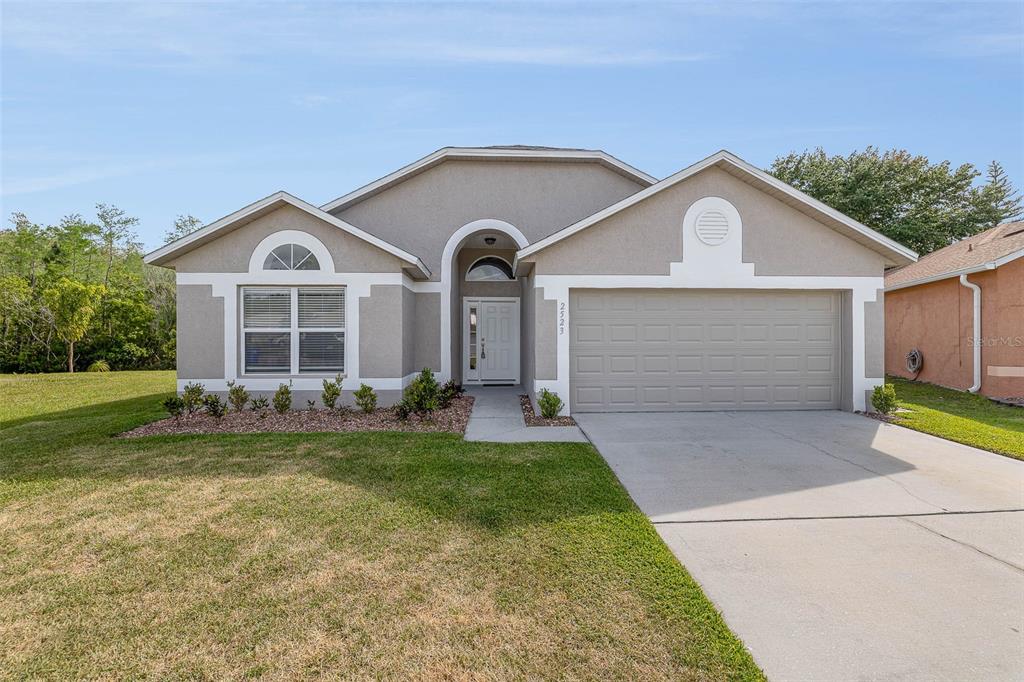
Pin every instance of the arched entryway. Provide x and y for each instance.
(484, 303)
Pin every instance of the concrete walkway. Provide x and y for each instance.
(498, 418)
(837, 547)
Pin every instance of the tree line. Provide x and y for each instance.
(76, 294)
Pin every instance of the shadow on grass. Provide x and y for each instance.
(485, 484)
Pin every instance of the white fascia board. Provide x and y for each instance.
(728, 157)
(477, 153)
(991, 265)
(285, 198)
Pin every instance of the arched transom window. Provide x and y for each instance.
(489, 269)
(291, 257)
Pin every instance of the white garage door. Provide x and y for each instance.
(669, 350)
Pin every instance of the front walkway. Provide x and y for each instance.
(498, 418)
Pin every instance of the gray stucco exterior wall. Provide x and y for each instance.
(231, 252)
(428, 332)
(537, 197)
(874, 337)
(381, 341)
(408, 332)
(527, 312)
(644, 238)
(200, 332)
(546, 337)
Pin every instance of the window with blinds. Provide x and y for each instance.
(293, 330)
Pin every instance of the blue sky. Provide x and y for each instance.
(169, 108)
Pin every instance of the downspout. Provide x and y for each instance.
(976, 332)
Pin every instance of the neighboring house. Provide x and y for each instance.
(932, 306)
(719, 287)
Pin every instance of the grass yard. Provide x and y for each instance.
(340, 555)
(960, 416)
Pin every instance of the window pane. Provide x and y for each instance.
(291, 257)
(322, 307)
(321, 351)
(268, 352)
(267, 307)
(279, 259)
(489, 269)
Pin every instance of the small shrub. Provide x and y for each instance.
(215, 407)
(192, 394)
(884, 398)
(402, 409)
(175, 406)
(311, 404)
(237, 396)
(98, 366)
(365, 398)
(331, 392)
(550, 404)
(422, 393)
(283, 398)
(449, 392)
(260, 405)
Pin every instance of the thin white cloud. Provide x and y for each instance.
(211, 35)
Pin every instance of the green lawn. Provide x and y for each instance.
(961, 416)
(324, 555)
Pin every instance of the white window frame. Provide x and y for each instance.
(293, 330)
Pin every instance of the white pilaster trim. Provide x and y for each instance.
(451, 247)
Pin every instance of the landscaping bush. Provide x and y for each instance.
(449, 392)
(283, 398)
(331, 393)
(260, 405)
(311, 405)
(550, 404)
(98, 366)
(365, 398)
(192, 394)
(884, 398)
(402, 409)
(237, 396)
(215, 407)
(422, 394)
(175, 406)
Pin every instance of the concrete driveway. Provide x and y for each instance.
(837, 547)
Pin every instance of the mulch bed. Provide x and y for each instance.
(453, 419)
(1012, 402)
(534, 419)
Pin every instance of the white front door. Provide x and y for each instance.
(490, 340)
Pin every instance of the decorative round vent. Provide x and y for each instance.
(712, 227)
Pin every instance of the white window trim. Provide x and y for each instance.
(294, 330)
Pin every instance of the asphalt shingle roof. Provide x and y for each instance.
(982, 248)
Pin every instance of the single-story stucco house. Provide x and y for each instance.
(718, 287)
(962, 309)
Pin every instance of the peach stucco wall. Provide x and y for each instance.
(936, 319)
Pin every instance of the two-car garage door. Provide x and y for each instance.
(668, 350)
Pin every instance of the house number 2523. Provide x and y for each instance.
(561, 318)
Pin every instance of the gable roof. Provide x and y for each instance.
(894, 252)
(984, 251)
(261, 208)
(505, 153)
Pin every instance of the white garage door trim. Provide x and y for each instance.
(704, 349)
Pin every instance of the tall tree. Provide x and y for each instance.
(72, 305)
(920, 204)
(184, 225)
